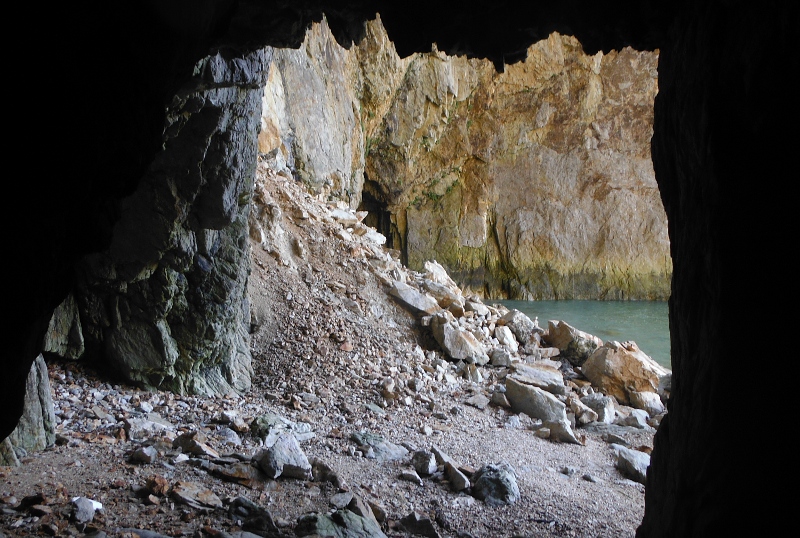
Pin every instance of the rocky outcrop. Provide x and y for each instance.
(531, 183)
(166, 305)
(36, 428)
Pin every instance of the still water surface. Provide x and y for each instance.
(644, 322)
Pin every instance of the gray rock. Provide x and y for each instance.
(442, 457)
(573, 344)
(500, 357)
(341, 500)
(322, 472)
(254, 517)
(521, 325)
(632, 463)
(167, 301)
(284, 458)
(144, 454)
(269, 426)
(419, 303)
(479, 401)
(145, 427)
(496, 484)
(542, 374)
(64, 335)
(458, 343)
(424, 462)
(458, 480)
(602, 405)
(506, 338)
(383, 450)
(358, 506)
(339, 524)
(647, 401)
(36, 428)
(417, 524)
(411, 476)
(194, 443)
(636, 419)
(561, 431)
(533, 401)
(83, 510)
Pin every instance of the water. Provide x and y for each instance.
(644, 322)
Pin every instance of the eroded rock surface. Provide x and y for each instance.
(531, 183)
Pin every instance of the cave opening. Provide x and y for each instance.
(378, 215)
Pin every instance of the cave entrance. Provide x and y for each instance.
(378, 214)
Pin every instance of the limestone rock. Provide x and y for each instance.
(602, 405)
(647, 401)
(284, 458)
(573, 344)
(457, 342)
(533, 401)
(383, 450)
(506, 337)
(520, 324)
(632, 463)
(419, 525)
(424, 462)
(542, 374)
(419, 303)
(620, 369)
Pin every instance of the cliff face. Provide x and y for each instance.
(532, 183)
(166, 305)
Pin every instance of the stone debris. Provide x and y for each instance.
(372, 358)
(341, 524)
(284, 458)
(632, 463)
(496, 484)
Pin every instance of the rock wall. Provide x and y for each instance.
(166, 305)
(533, 183)
(36, 428)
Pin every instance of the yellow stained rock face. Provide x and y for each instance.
(535, 183)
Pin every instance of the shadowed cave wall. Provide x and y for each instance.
(721, 151)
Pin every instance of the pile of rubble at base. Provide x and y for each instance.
(560, 376)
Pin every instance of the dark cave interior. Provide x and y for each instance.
(722, 152)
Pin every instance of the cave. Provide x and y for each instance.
(379, 216)
(722, 149)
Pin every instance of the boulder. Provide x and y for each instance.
(621, 369)
(632, 463)
(647, 401)
(602, 405)
(496, 484)
(419, 303)
(506, 338)
(520, 324)
(36, 428)
(533, 401)
(284, 458)
(542, 374)
(573, 344)
(339, 524)
(457, 342)
(382, 449)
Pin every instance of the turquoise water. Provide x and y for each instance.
(644, 322)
